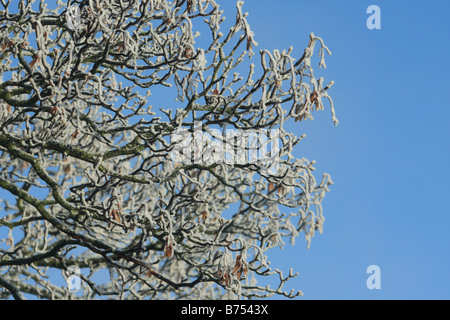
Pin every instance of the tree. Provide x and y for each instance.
(94, 178)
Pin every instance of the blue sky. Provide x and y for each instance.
(389, 155)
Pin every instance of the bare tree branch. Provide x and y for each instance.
(172, 198)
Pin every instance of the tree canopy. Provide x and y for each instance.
(147, 198)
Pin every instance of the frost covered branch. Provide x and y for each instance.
(87, 174)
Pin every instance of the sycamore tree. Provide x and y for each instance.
(126, 134)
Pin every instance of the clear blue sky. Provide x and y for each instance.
(389, 156)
